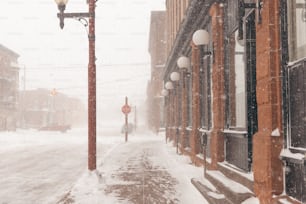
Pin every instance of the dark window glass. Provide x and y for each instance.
(205, 91)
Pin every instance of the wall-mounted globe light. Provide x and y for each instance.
(200, 37)
(183, 62)
(169, 85)
(164, 92)
(175, 76)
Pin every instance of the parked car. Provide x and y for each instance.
(55, 127)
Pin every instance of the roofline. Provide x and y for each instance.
(11, 52)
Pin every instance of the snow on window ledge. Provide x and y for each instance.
(204, 130)
(296, 157)
(235, 131)
(189, 128)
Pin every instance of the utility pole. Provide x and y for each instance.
(135, 119)
(92, 88)
(24, 97)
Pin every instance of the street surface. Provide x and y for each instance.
(35, 175)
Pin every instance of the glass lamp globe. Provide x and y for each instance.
(175, 76)
(169, 85)
(200, 37)
(61, 2)
(164, 92)
(183, 62)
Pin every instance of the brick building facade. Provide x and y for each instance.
(239, 105)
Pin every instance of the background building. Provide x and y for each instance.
(9, 82)
(44, 108)
(157, 50)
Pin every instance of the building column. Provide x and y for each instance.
(194, 139)
(218, 101)
(267, 166)
(168, 116)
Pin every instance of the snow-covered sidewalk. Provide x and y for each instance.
(143, 170)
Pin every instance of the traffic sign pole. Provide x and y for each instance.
(127, 127)
(126, 109)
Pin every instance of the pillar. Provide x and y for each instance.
(218, 101)
(267, 166)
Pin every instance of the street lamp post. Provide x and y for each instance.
(91, 73)
(175, 77)
(168, 87)
(201, 38)
(184, 65)
(165, 93)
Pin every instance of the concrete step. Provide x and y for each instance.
(284, 199)
(212, 196)
(237, 175)
(233, 191)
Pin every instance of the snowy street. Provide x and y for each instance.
(50, 167)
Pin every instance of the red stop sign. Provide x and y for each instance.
(126, 109)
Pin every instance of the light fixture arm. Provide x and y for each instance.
(81, 16)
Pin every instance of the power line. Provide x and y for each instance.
(80, 66)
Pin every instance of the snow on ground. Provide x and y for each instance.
(39, 167)
(251, 201)
(51, 167)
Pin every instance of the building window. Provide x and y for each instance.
(297, 96)
(205, 90)
(232, 15)
(236, 105)
(296, 25)
(296, 29)
(237, 84)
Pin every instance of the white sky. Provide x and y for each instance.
(58, 59)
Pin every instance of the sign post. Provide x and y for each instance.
(126, 109)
